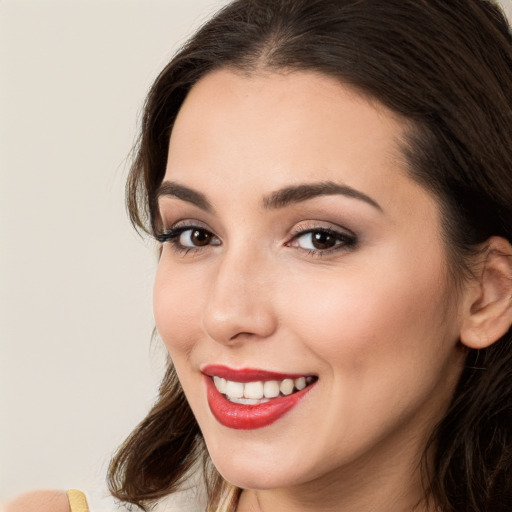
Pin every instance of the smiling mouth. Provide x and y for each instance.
(249, 398)
(261, 391)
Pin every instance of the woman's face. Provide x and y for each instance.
(299, 252)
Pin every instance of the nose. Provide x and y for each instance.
(239, 303)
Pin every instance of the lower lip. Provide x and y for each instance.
(249, 417)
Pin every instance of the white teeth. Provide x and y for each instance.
(220, 384)
(234, 389)
(251, 393)
(286, 386)
(248, 401)
(300, 383)
(254, 390)
(271, 389)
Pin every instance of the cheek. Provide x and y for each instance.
(382, 344)
(176, 303)
(385, 313)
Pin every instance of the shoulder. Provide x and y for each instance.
(39, 501)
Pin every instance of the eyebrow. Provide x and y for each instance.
(170, 188)
(278, 199)
(299, 193)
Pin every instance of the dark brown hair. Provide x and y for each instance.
(446, 67)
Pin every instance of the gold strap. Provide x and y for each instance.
(77, 501)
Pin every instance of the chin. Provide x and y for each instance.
(261, 468)
(251, 476)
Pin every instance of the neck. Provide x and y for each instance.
(376, 500)
(363, 499)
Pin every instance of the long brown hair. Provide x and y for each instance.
(446, 67)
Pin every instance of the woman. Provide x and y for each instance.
(331, 185)
(330, 182)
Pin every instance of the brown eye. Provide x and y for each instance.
(188, 238)
(199, 237)
(195, 237)
(322, 240)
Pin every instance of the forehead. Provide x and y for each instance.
(265, 131)
(230, 104)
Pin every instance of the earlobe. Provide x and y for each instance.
(488, 309)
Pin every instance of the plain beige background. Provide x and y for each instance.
(76, 370)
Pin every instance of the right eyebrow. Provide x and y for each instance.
(173, 189)
(306, 191)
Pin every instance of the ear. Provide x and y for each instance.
(488, 301)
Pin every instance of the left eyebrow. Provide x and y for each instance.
(173, 189)
(299, 193)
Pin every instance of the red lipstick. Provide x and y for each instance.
(248, 417)
(247, 374)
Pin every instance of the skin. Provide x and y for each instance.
(39, 501)
(377, 321)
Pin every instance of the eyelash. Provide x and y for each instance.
(343, 241)
(172, 236)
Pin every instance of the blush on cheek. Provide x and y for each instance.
(174, 314)
(357, 320)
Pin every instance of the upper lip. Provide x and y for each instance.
(248, 374)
